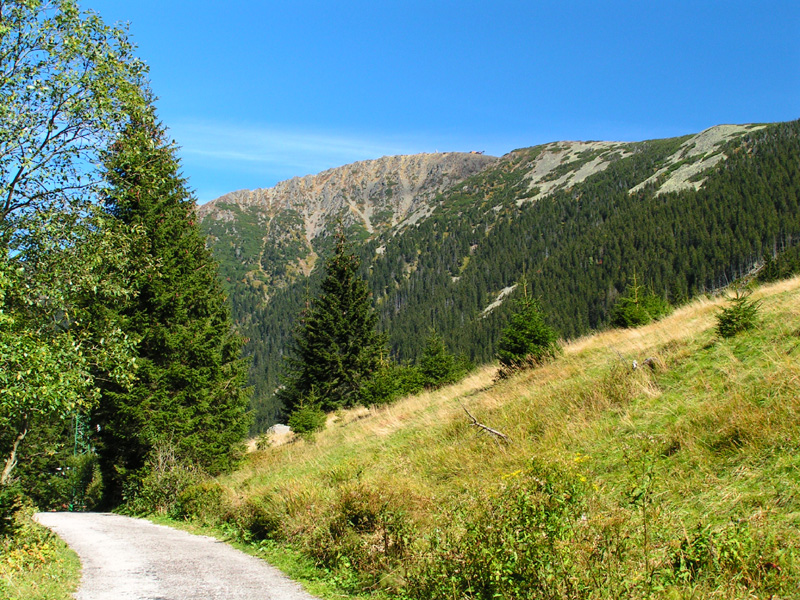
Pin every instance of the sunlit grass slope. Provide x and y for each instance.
(680, 478)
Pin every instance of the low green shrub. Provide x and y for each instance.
(732, 555)
(258, 518)
(709, 552)
(83, 482)
(362, 536)
(161, 483)
(518, 547)
(65, 482)
(203, 502)
(10, 504)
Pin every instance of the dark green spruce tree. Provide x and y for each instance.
(527, 341)
(335, 348)
(190, 392)
(437, 366)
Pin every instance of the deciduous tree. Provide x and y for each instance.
(65, 79)
(55, 337)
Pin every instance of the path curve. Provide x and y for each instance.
(133, 559)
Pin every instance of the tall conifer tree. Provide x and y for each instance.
(190, 390)
(336, 347)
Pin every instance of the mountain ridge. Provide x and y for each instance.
(685, 214)
(345, 182)
(704, 145)
(368, 197)
(372, 197)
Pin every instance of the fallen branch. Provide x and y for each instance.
(494, 432)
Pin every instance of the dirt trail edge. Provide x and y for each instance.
(133, 559)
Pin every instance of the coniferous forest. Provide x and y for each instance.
(578, 247)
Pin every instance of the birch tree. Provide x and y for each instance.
(67, 80)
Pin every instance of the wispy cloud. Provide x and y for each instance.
(221, 157)
(278, 150)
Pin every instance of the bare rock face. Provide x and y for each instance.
(368, 197)
(379, 194)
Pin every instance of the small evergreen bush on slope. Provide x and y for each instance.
(638, 306)
(740, 315)
(527, 341)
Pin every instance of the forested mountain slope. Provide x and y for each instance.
(270, 237)
(684, 214)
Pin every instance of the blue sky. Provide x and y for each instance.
(255, 92)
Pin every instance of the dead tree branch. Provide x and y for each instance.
(479, 425)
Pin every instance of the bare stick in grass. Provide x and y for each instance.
(494, 432)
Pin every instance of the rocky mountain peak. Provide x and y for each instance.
(269, 233)
(377, 194)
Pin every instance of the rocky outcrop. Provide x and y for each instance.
(267, 235)
(377, 194)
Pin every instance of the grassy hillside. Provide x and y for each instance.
(677, 481)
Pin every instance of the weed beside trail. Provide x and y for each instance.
(34, 563)
(679, 478)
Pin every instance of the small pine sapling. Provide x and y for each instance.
(527, 341)
(437, 365)
(740, 315)
(308, 417)
(638, 306)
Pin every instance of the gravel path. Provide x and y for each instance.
(134, 559)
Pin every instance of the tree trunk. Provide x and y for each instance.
(11, 461)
